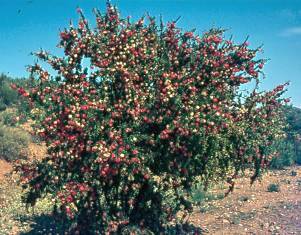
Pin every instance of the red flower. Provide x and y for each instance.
(188, 34)
(13, 86)
(65, 36)
(69, 199)
(21, 90)
(84, 107)
(82, 188)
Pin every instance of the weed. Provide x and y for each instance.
(244, 198)
(274, 188)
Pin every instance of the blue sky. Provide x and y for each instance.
(27, 25)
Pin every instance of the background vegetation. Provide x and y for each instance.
(289, 148)
(13, 111)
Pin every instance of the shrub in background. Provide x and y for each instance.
(8, 96)
(286, 155)
(137, 114)
(289, 149)
(13, 143)
(293, 130)
(9, 117)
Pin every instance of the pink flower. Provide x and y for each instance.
(79, 10)
(84, 107)
(64, 35)
(69, 199)
(188, 34)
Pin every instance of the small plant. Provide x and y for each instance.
(274, 188)
(285, 181)
(240, 216)
(199, 195)
(244, 198)
(207, 208)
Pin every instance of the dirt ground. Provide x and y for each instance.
(5, 168)
(255, 210)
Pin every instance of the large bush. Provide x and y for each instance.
(137, 113)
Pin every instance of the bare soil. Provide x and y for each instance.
(255, 210)
(5, 168)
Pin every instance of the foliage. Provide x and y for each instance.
(9, 99)
(7, 117)
(286, 155)
(293, 117)
(13, 143)
(8, 96)
(289, 149)
(137, 114)
(11, 117)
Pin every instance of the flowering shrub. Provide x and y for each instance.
(136, 114)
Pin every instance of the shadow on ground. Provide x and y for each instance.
(46, 224)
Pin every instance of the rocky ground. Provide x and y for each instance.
(257, 209)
